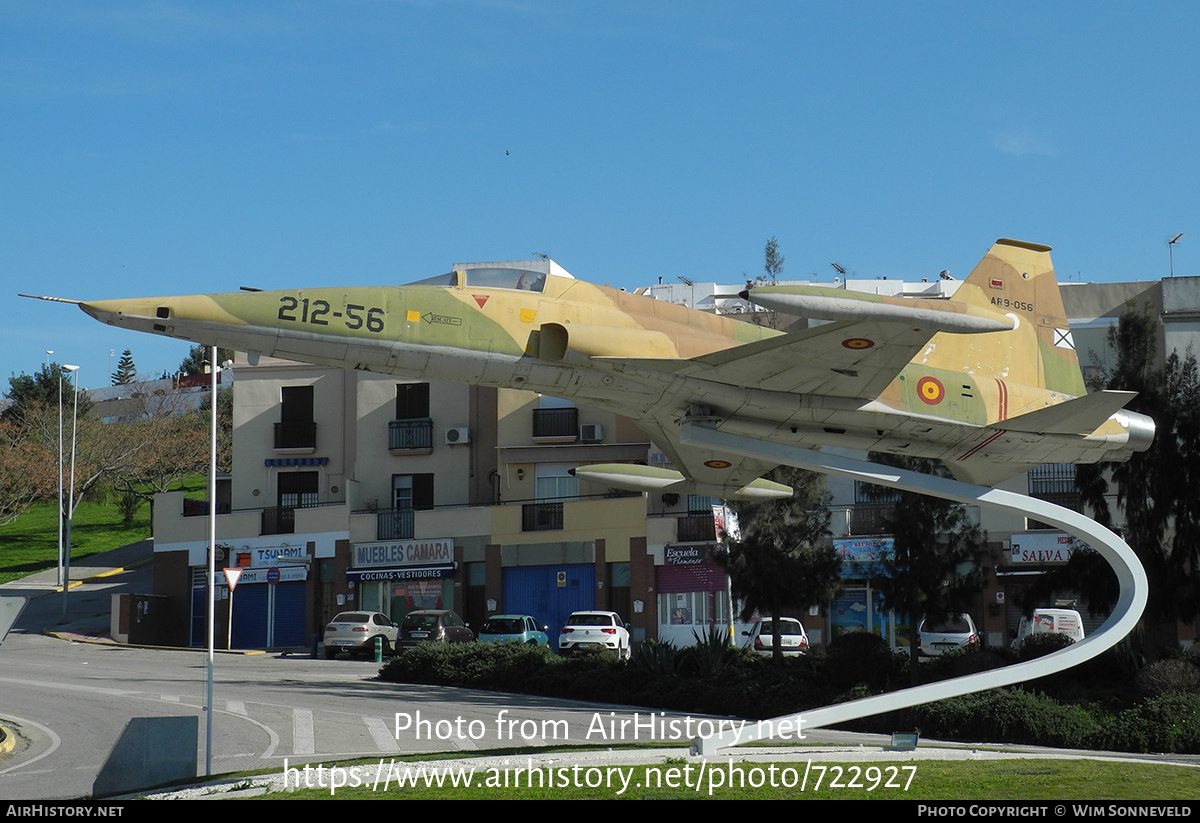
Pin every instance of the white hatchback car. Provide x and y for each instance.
(792, 639)
(596, 630)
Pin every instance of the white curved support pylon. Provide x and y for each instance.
(1130, 575)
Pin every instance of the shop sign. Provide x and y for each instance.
(863, 549)
(1044, 547)
(287, 574)
(277, 556)
(403, 553)
(429, 573)
(688, 555)
(862, 557)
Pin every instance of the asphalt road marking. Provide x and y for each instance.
(381, 733)
(304, 739)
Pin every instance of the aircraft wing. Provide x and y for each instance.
(853, 359)
(845, 359)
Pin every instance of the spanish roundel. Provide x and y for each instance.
(930, 390)
(858, 343)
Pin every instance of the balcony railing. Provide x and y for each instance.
(410, 435)
(394, 524)
(541, 517)
(695, 528)
(296, 436)
(556, 423)
(279, 520)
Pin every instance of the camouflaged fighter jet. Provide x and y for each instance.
(988, 381)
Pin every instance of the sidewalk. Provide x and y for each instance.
(88, 612)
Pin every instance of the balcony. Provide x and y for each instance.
(696, 528)
(557, 425)
(296, 436)
(541, 517)
(870, 518)
(278, 520)
(410, 436)
(394, 524)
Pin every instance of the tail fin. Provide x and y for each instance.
(1017, 279)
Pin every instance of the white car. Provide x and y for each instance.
(603, 630)
(355, 632)
(792, 639)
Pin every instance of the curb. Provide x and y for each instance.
(8, 740)
(97, 641)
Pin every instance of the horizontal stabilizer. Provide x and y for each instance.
(1080, 416)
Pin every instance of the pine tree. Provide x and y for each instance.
(1156, 489)
(126, 371)
(936, 568)
(780, 565)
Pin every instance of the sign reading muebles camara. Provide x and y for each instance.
(403, 553)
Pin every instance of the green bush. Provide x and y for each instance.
(1003, 715)
(1042, 644)
(862, 658)
(1168, 723)
(1167, 676)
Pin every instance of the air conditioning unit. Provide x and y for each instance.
(591, 432)
(458, 435)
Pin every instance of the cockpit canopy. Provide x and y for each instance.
(523, 275)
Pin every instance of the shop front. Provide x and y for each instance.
(692, 593)
(400, 576)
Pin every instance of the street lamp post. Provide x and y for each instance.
(64, 549)
(61, 504)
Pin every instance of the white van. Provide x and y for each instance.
(1045, 621)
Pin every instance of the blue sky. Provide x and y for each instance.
(156, 148)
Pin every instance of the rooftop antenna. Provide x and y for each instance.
(1171, 250)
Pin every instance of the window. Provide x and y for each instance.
(412, 401)
(298, 489)
(412, 492)
(506, 279)
(554, 483)
(412, 430)
(296, 428)
(1052, 478)
(1054, 483)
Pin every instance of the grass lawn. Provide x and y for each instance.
(30, 543)
(991, 780)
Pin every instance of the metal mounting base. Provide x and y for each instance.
(1130, 575)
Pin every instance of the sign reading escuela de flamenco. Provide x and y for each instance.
(403, 553)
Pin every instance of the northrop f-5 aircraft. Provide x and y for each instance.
(988, 381)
